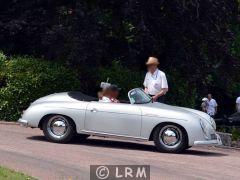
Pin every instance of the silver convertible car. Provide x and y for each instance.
(173, 129)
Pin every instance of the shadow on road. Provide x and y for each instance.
(106, 143)
(202, 153)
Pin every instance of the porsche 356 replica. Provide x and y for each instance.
(173, 129)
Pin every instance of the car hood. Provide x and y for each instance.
(162, 110)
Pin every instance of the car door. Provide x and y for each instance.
(113, 118)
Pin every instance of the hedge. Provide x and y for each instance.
(24, 79)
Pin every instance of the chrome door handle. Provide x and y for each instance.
(93, 110)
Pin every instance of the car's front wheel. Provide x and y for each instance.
(58, 128)
(170, 138)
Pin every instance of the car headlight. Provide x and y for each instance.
(204, 128)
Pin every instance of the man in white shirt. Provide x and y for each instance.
(212, 106)
(155, 82)
(238, 104)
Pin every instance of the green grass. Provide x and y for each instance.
(7, 174)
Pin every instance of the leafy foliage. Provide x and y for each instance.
(121, 76)
(26, 79)
(197, 41)
(182, 88)
(235, 134)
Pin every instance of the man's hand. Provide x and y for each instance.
(161, 93)
(155, 98)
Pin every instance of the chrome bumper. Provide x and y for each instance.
(216, 141)
(23, 122)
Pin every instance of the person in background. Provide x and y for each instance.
(238, 104)
(212, 106)
(204, 104)
(155, 82)
(104, 93)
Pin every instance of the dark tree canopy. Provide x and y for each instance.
(194, 39)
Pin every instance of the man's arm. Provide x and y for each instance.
(145, 84)
(146, 90)
(161, 93)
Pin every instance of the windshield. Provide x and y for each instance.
(138, 96)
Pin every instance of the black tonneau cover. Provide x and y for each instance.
(81, 97)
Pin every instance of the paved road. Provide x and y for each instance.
(26, 150)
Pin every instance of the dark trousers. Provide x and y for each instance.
(213, 116)
(160, 99)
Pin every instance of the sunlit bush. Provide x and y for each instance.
(24, 79)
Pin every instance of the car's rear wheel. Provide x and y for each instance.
(59, 128)
(170, 138)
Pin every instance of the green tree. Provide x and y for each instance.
(195, 38)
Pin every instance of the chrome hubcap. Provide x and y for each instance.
(57, 126)
(170, 136)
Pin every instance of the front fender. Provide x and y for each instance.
(192, 128)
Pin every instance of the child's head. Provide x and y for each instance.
(114, 91)
(106, 92)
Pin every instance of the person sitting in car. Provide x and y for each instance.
(114, 93)
(110, 94)
(105, 95)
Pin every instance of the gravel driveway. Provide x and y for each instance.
(26, 150)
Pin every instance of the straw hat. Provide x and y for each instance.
(152, 61)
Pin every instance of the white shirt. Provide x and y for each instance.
(212, 104)
(238, 104)
(155, 82)
(105, 99)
